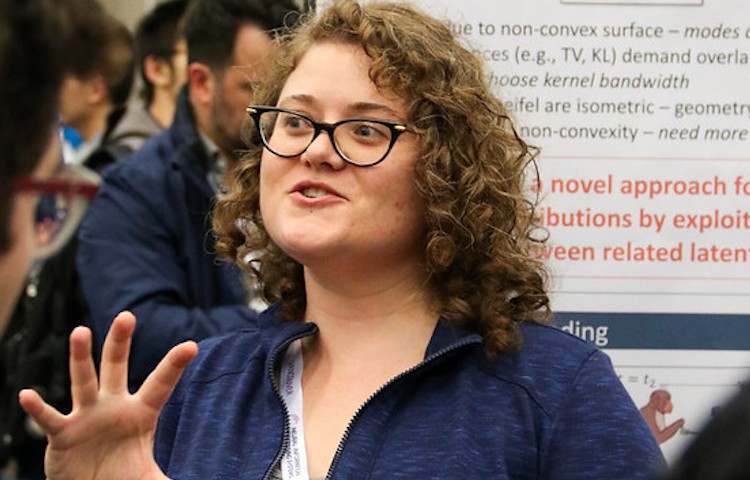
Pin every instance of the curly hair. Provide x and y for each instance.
(481, 238)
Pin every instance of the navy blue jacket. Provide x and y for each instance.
(554, 410)
(145, 246)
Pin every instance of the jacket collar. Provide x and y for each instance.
(444, 337)
(193, 158)
(447, 335)
(183, 126)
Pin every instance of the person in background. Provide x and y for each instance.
(40, 198)
(161, 56)
(145, 244)
(94, 94)
(384, 207)
(720, 451)
(34, 352)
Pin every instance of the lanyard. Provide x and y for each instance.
(294, 462)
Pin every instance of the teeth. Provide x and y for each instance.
(313, 192)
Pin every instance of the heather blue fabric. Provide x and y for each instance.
(554, 410)
(145, 246)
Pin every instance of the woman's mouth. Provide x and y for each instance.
(313, 192)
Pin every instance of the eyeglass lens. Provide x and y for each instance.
(51, 212)
(57, 218)
(58, 213)
(360, 142)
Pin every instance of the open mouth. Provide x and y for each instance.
(313, 192)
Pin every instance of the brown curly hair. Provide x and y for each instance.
(481, 236)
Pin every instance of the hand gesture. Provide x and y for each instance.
(109, 434)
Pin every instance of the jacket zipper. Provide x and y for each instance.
(357, 414)
(272, 375)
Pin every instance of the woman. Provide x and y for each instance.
(386, 192)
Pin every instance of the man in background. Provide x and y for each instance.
(145, 245)
(96, 90)
(161, 57)
(36, 45)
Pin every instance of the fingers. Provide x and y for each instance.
(49, 419)
(83, 382)
(114, 364)
(161, 382)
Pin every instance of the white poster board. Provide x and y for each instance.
(641, 109)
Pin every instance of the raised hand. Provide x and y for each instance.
(109, 433)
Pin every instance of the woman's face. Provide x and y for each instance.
(317, 207)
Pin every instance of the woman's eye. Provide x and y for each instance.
(366, 131)
(370, 131)
(293, 122)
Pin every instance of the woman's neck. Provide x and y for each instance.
(371, 328)
(370, 318)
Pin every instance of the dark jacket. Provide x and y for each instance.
(145, 246)
(554, 410)
(34, 354)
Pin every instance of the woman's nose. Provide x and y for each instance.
(322, 152)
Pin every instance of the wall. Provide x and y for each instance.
(129, 11)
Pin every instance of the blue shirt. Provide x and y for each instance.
(553, 410)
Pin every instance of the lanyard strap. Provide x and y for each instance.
(294, 462)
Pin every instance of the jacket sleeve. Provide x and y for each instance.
(132, 256)
(598, 432)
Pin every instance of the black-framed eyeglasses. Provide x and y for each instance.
(63, 200)
(363, 142)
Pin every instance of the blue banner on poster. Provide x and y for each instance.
(658, 330)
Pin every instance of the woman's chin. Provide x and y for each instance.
(309, 249)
